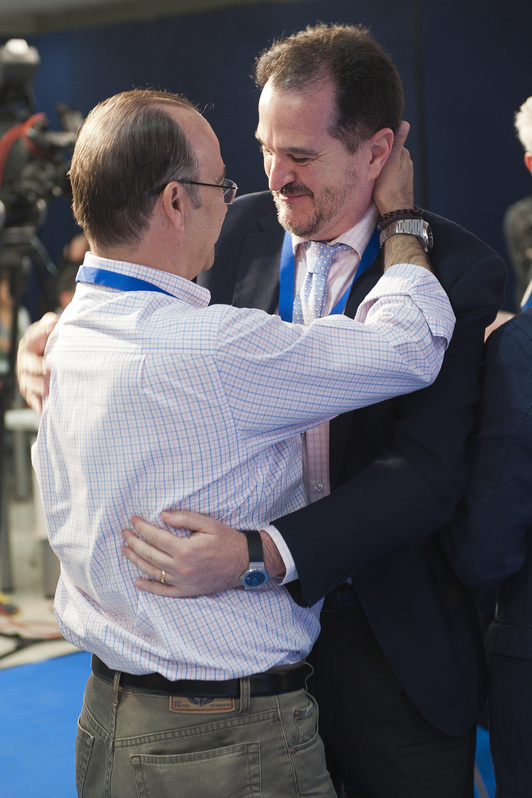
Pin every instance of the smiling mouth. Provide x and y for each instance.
(289, 193)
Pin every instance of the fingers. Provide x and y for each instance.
(399, 155)
(394, 187)
(32, 374)
(156, 536)
(153, 553)
(158, 589)
(194, 522)
(401, 134)
(36, 336)
(33, 389)
(148, 559)
(47, 324)
(152, 549)
(153, 572)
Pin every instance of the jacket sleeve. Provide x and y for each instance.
(403, 468)
(486, 540)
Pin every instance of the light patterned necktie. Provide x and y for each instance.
(309, 304)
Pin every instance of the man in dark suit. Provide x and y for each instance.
(399, 664)
(489, 542)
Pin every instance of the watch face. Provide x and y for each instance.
(253, 579)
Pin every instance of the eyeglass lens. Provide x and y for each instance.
(229, 189)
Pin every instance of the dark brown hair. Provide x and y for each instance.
(369, 93)
(127, 146)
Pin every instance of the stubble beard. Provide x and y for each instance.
(330, 205)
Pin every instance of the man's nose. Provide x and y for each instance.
(280, 172)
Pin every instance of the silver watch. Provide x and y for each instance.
(255, 575)
(412, 227)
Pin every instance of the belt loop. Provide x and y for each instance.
(245, 696)
(112, 731)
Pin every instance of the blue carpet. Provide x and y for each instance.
(39, 709)
(484, 776)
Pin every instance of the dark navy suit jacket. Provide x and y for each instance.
(490, 539)
(397, 471)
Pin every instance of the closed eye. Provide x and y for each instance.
(300, 160)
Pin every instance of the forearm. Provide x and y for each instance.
(393, 195)
(403, 248)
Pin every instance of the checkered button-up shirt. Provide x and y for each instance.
(160, 402)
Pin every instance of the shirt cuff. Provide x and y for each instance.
(284, 551)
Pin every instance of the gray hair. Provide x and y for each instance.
(523, 124)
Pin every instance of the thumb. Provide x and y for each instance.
(401, 134)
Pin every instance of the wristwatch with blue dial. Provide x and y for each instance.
(255, 575)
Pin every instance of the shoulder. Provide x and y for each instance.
(462, 261)
(449, 234)
(248, 215)
(512, 340)
(507, 378)
(250, 240)
(251, 212)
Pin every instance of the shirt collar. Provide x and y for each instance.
(178, 287)
(356, 237)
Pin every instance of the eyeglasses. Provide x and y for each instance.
(228, 187)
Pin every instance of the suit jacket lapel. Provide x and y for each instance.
(339, 427)
(257, 284)
(363, 285)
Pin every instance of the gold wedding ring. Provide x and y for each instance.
(163, 576)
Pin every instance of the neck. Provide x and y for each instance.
(152, 258)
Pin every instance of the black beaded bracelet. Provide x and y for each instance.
(403, 213)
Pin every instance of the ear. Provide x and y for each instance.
(379, 147)
(528, 161)
(173, 204)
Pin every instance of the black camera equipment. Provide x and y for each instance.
(34, 163)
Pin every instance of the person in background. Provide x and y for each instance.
(517, 223)
(400, 664)
(489, 544)
(159, 400)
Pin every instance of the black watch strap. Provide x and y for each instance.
(256, 552)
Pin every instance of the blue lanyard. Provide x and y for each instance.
(287, 275)
(528, 304)
(93, 274)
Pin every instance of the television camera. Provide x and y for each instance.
(34, 163)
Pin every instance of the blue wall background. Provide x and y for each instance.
(466, 69)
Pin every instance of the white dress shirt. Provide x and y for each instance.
(158, 401)
(316, 472)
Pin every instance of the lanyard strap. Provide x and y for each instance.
(528, 304)
(92, 274)
(287, 275)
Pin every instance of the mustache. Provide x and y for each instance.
(293, 188)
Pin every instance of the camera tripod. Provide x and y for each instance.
(20, 252)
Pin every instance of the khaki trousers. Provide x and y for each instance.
(132, 743)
